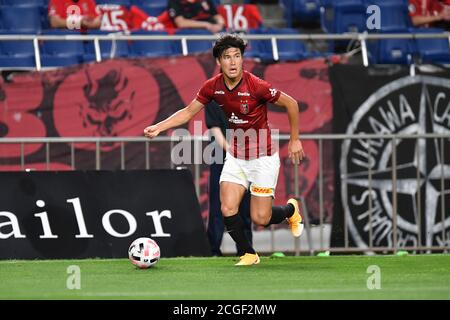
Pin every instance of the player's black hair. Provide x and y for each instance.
(228, 41)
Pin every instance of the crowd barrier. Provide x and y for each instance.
(316, 235)
(273, 38)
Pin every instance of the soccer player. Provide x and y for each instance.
(251, 162)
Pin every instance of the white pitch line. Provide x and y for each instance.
(168, 293)
(211, 294)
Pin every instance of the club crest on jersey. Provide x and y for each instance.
(244, 107)
(273, 92)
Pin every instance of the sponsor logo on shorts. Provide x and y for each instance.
(261, 190)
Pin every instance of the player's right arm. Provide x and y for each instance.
(178, 118)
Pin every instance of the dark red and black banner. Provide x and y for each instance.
(119, 98)
(86, 214)
(390, 101)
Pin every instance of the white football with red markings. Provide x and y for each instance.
(144, 253)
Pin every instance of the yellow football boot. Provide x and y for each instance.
(295, 221)
(248, 259)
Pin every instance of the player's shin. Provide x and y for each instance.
(235, 228)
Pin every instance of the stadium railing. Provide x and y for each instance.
(362, 37)
(309, 246)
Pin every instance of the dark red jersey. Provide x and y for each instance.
(245, 107)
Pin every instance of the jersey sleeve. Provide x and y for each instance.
(92, 9)
(54, 9)
(437, 7)
(265, 92)
(253, 15)
(205, 93)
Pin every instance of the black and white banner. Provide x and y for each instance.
(78, 214)
(391, 102)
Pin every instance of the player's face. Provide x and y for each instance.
(231, 63)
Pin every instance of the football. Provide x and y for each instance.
(144, 253)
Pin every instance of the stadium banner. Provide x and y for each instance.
(86, 214)
(120, 97)
(390, 101)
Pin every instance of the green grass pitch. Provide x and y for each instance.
(305, 277)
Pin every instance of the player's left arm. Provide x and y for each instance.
(296, 152)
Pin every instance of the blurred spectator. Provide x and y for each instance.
(429, 13)
(120, 18)
(198, 14)
(81, 13)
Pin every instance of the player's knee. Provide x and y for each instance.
(261, 219)
(228, 210)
